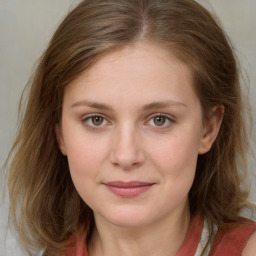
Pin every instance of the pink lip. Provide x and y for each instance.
(128, 189)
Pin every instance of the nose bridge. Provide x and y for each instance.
(127, 149)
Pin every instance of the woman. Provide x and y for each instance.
(131, 137)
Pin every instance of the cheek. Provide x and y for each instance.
(84, 149)
(84, 165)
(176, 161)
(85, 157)
(176, 151)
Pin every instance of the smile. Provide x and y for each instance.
(128, 189)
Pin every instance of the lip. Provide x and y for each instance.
(128, 189)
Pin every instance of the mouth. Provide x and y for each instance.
(128, 189)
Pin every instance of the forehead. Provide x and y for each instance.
(131, 57)
(143, 71)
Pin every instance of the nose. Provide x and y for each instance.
(126, 150)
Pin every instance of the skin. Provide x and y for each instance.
(250, 247)
(136, 140)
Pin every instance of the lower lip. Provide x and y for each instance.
(129, 191)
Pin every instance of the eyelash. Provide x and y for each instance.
(168, 119)
(88, 119)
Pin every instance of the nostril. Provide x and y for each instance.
(126, 152)
(127, 162)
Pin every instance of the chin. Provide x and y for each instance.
(127, 218)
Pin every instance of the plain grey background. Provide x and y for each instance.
(25, 29)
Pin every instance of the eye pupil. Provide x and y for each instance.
(97, 120)
(159, 120)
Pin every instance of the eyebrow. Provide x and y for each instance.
(91, 104)
(153, 105)
(162, 104)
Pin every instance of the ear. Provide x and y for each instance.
(211, 129)
(60, 139)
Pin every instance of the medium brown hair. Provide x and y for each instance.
(44, 204)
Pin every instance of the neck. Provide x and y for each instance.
(165, 235)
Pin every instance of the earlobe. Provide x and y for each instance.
(211, 129)
(60, 139)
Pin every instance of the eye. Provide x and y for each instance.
(95, 121)
(160, 120)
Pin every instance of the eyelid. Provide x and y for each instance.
(167, 116)
(85, 118)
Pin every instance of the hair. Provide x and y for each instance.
(44, 204)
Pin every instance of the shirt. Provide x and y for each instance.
(229, 240)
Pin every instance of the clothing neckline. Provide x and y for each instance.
(188, 247)
(193, 237)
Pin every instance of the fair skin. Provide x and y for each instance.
(132, 129)
(250, 247)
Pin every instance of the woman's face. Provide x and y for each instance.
(132, 131)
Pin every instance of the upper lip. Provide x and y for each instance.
(129, 184)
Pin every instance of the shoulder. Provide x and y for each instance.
(250, 248)
(235, 239)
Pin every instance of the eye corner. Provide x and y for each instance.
(95, 121)
(164, 120)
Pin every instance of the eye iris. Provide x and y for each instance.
(97, 120)
(159, 120)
